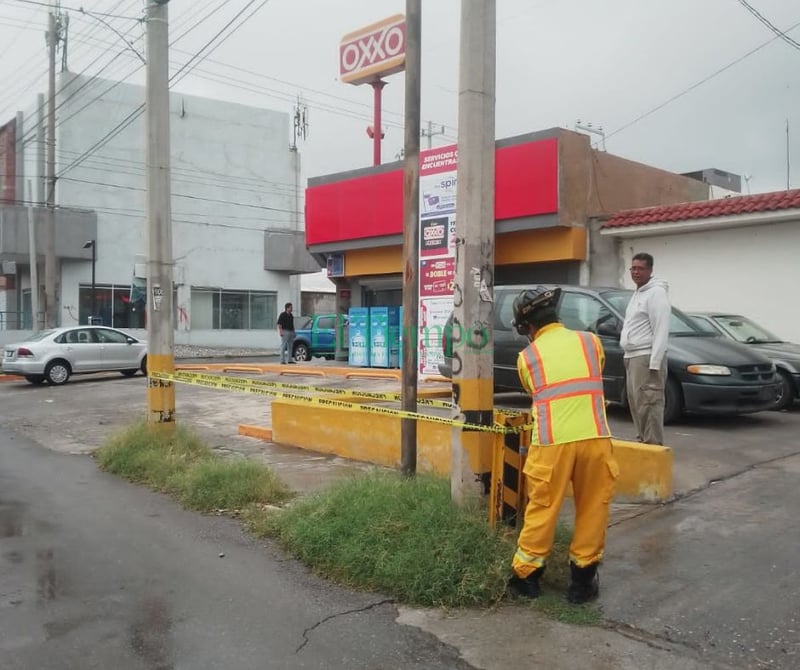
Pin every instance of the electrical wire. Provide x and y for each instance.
(22, 28)
(781, 34)
(29, 82)
(71, 9)
(174, 79)
(696, 85)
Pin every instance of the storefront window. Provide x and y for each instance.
(113, 306)
(215, 309)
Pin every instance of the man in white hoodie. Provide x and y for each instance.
(644, 341)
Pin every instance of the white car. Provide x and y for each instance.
(55, 355)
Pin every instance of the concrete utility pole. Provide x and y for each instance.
(473, 337)
(34, 263)
(430, 133)
(41, 151)
(408, 428)
(50, 265)
(160, 329)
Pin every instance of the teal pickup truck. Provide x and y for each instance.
(316, 337)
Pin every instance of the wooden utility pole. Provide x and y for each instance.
(160, 329)
(50, 264)
(473, 313)
(408, 428)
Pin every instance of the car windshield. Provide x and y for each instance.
(680, 325)
(745, 330)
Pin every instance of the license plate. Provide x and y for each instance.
(9, 354)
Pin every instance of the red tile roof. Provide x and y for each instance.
(704, 209)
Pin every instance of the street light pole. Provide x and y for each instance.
(93, 245)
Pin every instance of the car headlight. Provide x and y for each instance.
(719, 370)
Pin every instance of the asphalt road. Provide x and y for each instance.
(96, 573)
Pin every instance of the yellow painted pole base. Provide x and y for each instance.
(160, 393)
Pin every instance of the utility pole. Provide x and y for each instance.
(50, 265)
(473, 313)
(788, 162)
(408, 427)
(430, 133)
(41, 151)
(34, 263)
(160, 330)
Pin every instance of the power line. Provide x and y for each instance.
(174, 79)
(72, 9)
(25, 26)
(31, 82)
(186, 196)
(696, 85)
(782, 35)
(105, 161)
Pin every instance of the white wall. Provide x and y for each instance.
(753, 271)
(233, 176)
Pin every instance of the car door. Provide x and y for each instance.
(118, 354)
(82, 350)
(323, 340)
(584, 311)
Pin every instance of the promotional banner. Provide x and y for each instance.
(437, 265)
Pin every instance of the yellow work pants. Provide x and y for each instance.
(592, 469)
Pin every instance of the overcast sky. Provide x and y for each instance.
(558, 61)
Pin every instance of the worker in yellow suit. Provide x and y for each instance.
(570, 442)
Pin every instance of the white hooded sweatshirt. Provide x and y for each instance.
(646, 328)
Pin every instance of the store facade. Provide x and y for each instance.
(548, 186)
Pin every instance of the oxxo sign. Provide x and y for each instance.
(375, 51)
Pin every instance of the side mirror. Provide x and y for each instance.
(130, 340)
(610, 327)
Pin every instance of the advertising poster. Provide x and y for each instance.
(437, 188)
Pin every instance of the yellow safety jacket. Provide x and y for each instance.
(563, 371)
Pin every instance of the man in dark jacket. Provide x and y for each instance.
(286, 331)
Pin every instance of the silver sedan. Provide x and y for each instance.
(55, 355)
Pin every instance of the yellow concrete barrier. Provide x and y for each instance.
(645, 470)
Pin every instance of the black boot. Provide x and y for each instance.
(528, 587)
(585, 585)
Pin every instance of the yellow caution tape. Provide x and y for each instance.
(268, 388)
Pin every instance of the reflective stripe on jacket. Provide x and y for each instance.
(563, 371)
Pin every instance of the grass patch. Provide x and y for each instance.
(378, 532)
(405, 538)
(180, 463)
(399, 536)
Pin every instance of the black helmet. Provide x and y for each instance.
(530, 301)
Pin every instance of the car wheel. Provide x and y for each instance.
(785, 396)
(129, 373)
(144, 366)
(57, 372)
(35, 379)
(301, 353)
(673, 401)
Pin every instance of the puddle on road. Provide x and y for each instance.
(151, 634)
(10, 519)
(45, 575)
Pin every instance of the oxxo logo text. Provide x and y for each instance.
(382, 43)
(434, 233)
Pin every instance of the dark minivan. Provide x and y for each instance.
(707, 374)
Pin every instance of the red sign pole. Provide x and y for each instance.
(377, 130)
